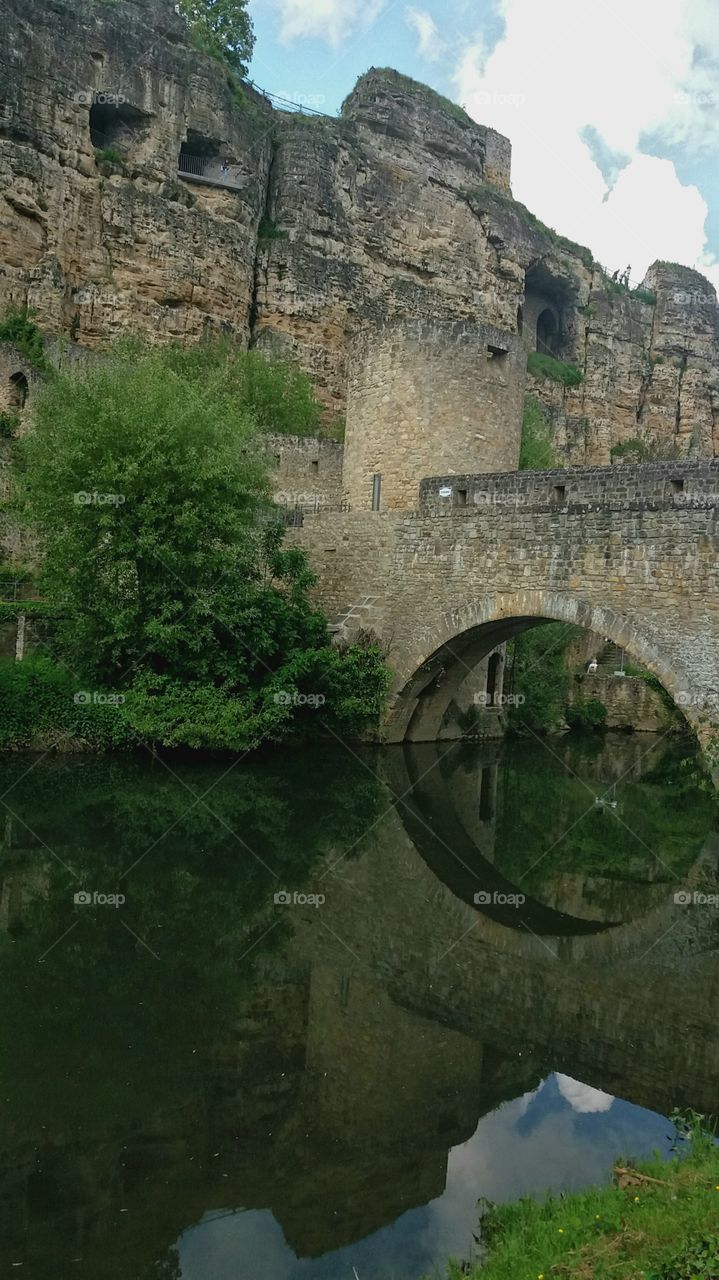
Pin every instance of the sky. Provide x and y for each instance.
(611, 106)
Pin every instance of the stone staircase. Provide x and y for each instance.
(366, 615)
(610, 659)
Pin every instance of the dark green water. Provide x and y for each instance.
(481, 985)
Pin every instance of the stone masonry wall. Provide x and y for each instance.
(308, 471)
(420, 392)
(643, 573)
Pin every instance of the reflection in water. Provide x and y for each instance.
(226, 1085)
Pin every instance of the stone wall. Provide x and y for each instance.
(424, 391)
(630, 702)
(308, 471)
(641, 571)
(675, 485)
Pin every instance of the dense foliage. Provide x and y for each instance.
(539, 678)
(537, 448)
(147, 478)
(222, 28)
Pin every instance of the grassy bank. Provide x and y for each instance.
(657, 1221)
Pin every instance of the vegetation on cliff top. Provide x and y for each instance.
(164, 558)
(222, 28)
(658, 1221)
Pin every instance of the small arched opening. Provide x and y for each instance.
(18, 390)
(547, 332)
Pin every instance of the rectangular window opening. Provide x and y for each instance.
(560, 492)
(496, 353)
(461, 497)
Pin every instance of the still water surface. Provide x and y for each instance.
(481, 986)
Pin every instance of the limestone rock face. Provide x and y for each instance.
(97, 247)
(398, 210)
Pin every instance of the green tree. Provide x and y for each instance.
(222, 28)
(147, 479)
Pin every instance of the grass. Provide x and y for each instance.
(658, 1221)
(453, 108)
(108, 155)
(485, 195)
(543, 366)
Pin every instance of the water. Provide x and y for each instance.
(201, 1082)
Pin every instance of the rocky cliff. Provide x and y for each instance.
(140, 188)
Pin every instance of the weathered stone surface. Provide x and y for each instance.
(398, 210)
(630, 553)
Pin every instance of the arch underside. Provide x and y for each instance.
(452, 647)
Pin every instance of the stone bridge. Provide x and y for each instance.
(629, 552)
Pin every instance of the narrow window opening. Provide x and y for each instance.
(560, 492)
(677, 483)
(315, 464)
(461, 497)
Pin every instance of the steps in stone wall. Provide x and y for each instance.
(365, 615)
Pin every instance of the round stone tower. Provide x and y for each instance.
(429, 398)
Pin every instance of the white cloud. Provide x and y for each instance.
(427, 32)
(330, 20)
(582, 1097)
(628, 68)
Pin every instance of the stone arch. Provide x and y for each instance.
(19, 390)
(547, 332)
(452, 644)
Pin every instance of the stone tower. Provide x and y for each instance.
(430, 398)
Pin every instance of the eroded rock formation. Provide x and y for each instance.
(292, 232)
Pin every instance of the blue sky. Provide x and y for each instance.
(612, 106)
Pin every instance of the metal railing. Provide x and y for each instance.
(212, 170)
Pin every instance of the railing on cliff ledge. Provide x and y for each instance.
(210, 170)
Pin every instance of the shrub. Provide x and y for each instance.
(20, 329)
(108, 155)
(586, 713)
(268, 230)
(537, 448)
(9, 423)
(544, 366)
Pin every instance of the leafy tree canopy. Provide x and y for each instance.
(222, 28)
(148, 482)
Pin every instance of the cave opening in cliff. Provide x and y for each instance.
(116, 124)
(18, 390)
